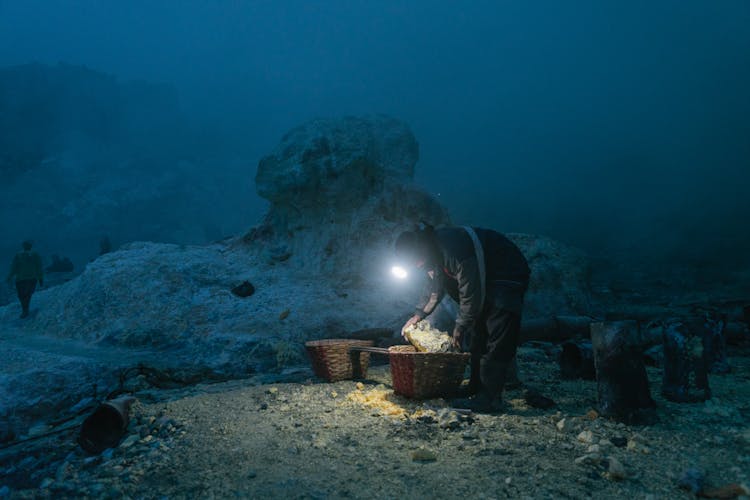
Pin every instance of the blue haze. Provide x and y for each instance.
(619, 127)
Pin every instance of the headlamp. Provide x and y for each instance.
(399, 272)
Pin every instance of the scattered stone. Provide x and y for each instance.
(334, 394)
(589, 459)
(565, 425)
(594, 448)
(252, 474)
(264, 406)
(423, 455)
(360, 386)
(130, 441)
(46, 483)
(449, 419)
(586, 437)
(638, 439)
(692, 480)
(615, 470)
(272, 390)
(147, 439)
(535, 399)
(619, 441)
(244, 289)
(638, 444)
(591, 415)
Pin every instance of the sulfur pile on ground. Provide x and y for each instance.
(355, 439)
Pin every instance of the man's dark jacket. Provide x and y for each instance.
(455, 271)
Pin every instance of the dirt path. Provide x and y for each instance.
(344, 440)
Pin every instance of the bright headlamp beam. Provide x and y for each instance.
(399, 272)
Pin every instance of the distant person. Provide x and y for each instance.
(26, 269)
(487, 275)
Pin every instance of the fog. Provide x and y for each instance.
(619, 127)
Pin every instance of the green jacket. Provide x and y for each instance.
(26, 266)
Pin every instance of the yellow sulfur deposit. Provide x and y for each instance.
(378, 398)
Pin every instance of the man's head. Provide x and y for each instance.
(27, 245)
(414, 248)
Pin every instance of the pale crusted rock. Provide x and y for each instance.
(589, 459)
(565, 425)
(428, 339)
(586, 437)
(337, 162)
(615, 470)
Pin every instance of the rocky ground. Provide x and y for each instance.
(309, 439)
(210, 341)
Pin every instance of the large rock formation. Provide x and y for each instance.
(340, 190)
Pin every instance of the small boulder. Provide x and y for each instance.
(615, 470)
(586, 437)
(244, 289)
(423, 455)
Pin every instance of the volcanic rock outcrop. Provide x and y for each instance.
(340, 191)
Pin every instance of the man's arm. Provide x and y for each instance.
(433, 293)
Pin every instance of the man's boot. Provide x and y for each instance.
(483, 402)
(489, 397)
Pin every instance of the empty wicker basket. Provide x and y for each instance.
(423, 375)
(332, 360)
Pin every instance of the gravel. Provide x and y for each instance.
(350, 439)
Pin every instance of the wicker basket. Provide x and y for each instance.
(332, 360)
(423, 375)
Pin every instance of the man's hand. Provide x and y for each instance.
(457, 336)
(412, 321)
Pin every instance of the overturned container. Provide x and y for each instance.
(577, 360)
(686, 361)
(105, 427)
(622, 384)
